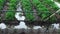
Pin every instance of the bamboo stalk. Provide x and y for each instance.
(52, 15)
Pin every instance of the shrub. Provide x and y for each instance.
(10, 15)
(1, 4)
(27, 9)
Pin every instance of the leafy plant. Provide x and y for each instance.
(28, 9)
(53, 19)
(30, 16)
(26, 5)
(42, 10)
(1, 4)
(57, 1)
(12, 4)
(51, 4)
(10, 15)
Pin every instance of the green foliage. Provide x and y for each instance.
(11, 8)
(52, 19)
(42, 10)
(28, 9)
(41, 7)
(13, 1)
(57, 1)
(30, 16)
(26, 5)
(50, 4)
(1, 4)
(45, 15)
(12, 4)
(10, 15)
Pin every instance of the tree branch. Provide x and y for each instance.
(52, 15)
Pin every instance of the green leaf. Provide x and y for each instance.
(10, 15)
